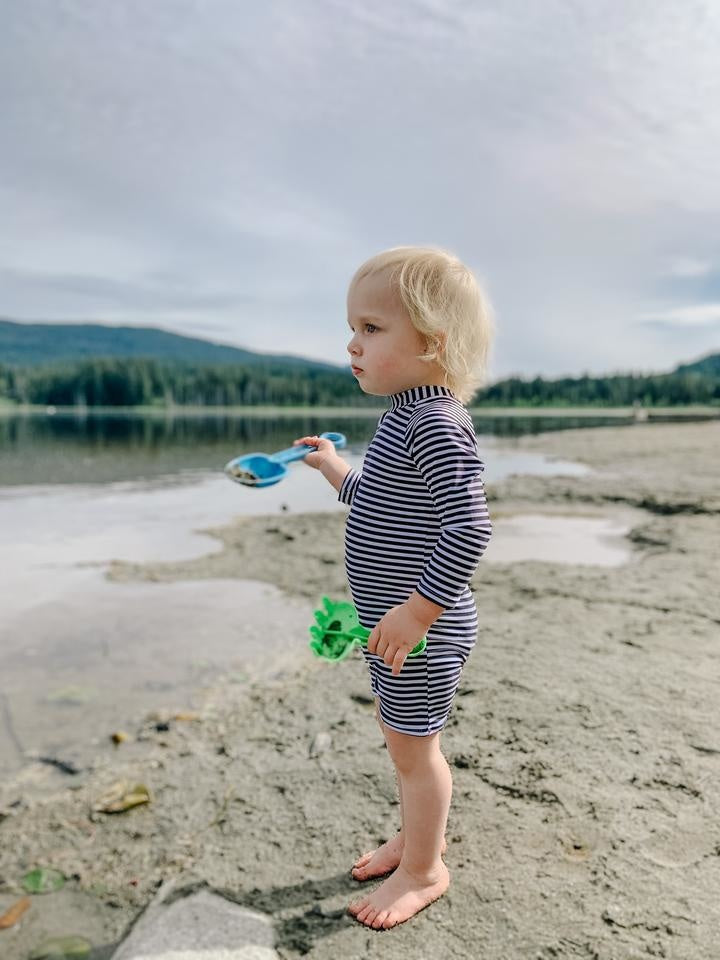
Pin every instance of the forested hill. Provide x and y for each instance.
(92, 365)
(35, 344)
(709, 366)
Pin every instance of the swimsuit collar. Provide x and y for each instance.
(419, 393)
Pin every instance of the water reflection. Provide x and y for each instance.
(101, 447)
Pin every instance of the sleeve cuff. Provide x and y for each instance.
(349, 485)
(440, 601)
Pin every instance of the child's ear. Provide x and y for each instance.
(435, 343)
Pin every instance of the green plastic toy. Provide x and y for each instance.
(338, 629)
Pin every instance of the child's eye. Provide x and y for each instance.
(366, 325)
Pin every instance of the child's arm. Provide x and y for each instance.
(444, 449)
(336, 471)
(423, 609)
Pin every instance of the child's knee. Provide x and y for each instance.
(409, 752)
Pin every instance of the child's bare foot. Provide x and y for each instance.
(400, 897)
(378, 862)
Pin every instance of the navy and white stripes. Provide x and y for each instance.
(418, 520)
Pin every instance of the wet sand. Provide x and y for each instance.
(584, 745)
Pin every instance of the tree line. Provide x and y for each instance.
(116, 382)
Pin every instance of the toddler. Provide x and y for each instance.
(418, 524)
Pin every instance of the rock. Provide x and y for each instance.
(203, 924)
(321, 743)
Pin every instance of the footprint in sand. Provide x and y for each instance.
(678, 848)
(574, 841)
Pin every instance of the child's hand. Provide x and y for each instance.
(395, 635)
(325, 449)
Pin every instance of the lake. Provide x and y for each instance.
(90, 447)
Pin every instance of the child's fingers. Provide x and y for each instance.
(311, 458)
(398, 662)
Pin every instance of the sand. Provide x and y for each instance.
(584, 746)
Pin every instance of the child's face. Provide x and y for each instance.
(384, 342)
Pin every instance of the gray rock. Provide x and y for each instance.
(202, 926)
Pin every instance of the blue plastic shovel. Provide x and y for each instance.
(262, 470)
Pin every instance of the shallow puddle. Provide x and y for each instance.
(90, 661)
(560, 538)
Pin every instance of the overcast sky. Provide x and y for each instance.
(220, 168)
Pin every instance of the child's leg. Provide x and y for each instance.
(427, 789)
(386, 857)
(421, 876)
(398, 779)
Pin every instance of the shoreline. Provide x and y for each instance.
(694, 410)
(583, 744)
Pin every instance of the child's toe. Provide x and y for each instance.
(363, 914)
(356, 907)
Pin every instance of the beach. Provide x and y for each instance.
(584, 745)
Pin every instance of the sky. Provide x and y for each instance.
(221, 168)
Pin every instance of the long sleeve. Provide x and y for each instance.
(444, 448)
(349, 485)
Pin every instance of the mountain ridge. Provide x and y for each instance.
(35, 344)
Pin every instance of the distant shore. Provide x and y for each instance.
(691, 410)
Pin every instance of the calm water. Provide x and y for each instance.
(75, 494)
(99, 448)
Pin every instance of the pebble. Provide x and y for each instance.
(321, 742)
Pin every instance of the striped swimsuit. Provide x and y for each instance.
(418, 520)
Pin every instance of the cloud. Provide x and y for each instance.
(689, 267)
(697, 315)
(97, 291)
(230, 165)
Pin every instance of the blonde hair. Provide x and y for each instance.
(446, 305)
